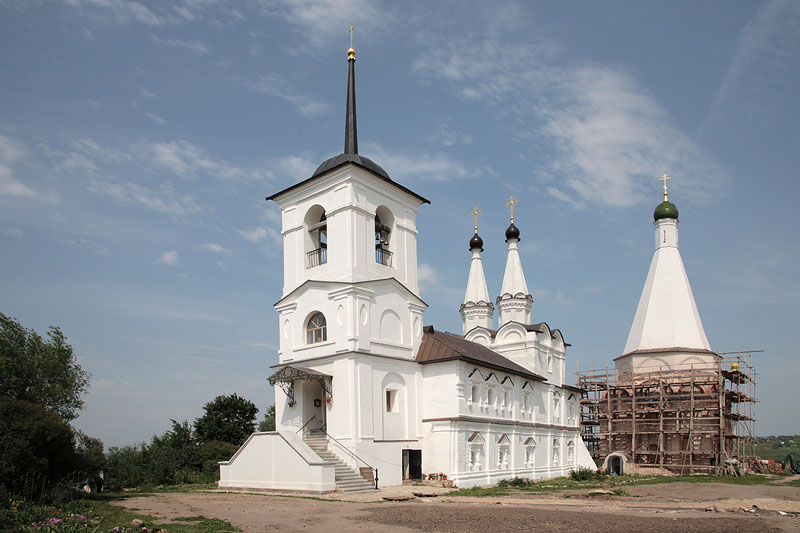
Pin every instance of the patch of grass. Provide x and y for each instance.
(612, 483)
(109, 516)
(480, 491)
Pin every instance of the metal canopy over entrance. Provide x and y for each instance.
(286, 376)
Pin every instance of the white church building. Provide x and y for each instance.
(368, 396)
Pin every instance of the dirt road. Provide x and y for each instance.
(671, 507)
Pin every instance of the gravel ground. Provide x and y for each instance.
(672, 507)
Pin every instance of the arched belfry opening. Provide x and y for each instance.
(316, 238)
(383, 230)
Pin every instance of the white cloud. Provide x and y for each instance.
(119, 10)
(13, 232)
(323, 21)
(187, 160)
(261, 344)
(216, 248)
(194, 46)
(447, 137)
(184, 12)
(297, 167)
(606, 139)
(770, 45)
(155, 118)
(418, 166)
(10, 153)
(278, 87)
(147, 94)
(558, 194)
(427, 275)
(261, 233)
(169, 257)
(163, 200)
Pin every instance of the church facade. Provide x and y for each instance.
(365, 394)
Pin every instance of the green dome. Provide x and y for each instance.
(665, 209)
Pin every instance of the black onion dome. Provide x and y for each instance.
(476, 242)
(512, 232)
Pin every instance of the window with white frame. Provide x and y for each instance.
(526, 402)
(475, 394)
(391, 400)
(530, 451)
(571, 453)
(506, 399)
(503, 444)
(549, 362)
(475, 452)
(490, 397)
(316, 329)
(556, 407)
(556, 452)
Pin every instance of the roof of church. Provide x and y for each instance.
(535, 327)
(439, 346)
(350, 154)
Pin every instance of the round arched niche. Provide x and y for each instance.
(616, 463)
(391, 328)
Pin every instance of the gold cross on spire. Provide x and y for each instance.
(474, 214)
(510, 205)
(664, 178)
(351, 53)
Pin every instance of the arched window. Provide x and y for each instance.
(383, 230)
(316, 240)
(317, 329)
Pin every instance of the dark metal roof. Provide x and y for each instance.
(438, 347)
(350, 154)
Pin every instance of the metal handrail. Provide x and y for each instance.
(352, 454)
(317, 257)
(383, 256)
(307, 423)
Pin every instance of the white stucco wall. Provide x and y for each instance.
(277, 460)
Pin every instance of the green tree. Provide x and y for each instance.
(228, 418)
(34, 439)
(40, 372)
(268, 424)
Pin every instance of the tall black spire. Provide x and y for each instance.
(350, 129)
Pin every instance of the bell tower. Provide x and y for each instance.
(349, 253)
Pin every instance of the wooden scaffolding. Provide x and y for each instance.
(698, 419)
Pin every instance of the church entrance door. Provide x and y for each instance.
(314, 401)
(412, 464)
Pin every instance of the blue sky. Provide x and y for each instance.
(138, 141)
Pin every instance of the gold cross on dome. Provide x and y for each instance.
(474, 214)
(664, 178)
(510, 205)
(351, 36)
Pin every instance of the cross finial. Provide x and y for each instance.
(664, 178)
(351, 53)
(474, 214)
(510, 205)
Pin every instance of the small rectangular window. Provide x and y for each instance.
(391, 401)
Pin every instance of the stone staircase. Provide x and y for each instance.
(347, 479)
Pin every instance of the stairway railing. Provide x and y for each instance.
(351, 454)
(307, 423)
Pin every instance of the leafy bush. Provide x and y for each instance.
(517, 482)
(583, 474)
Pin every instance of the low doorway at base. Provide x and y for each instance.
(412, 464)
(615, 465)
